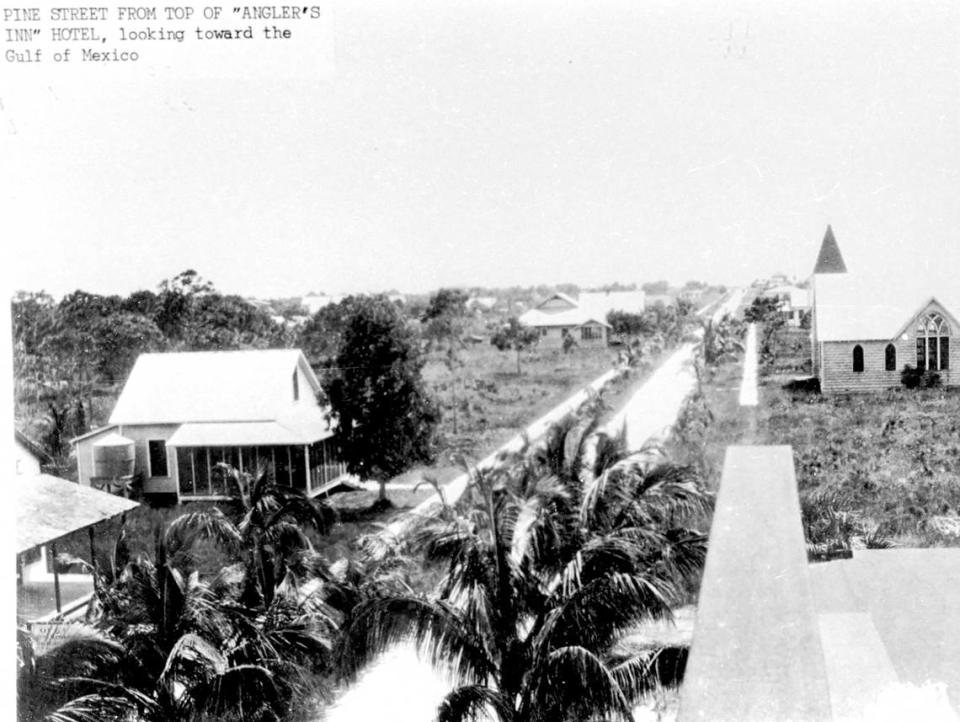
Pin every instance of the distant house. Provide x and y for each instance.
(584, 319)
(180, 414)
(795, 302)
(313, 302)
(481, 303)
(864, 331)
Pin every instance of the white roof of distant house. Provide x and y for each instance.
(850, 307)
(177, 388)
(602, 302)
(590, 306)
(570, 317)
(313, 302)
(799, 297)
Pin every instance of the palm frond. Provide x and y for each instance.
(436, 628)
(576, 680)
(597, 612)
(110, 702)
(73, 649)
(243, 692)
(474, 703)
(210, 525)
(643, 673)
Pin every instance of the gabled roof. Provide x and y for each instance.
(572, 317)
(829, 260)
(851, 308)
(176, 388)
(558, 295)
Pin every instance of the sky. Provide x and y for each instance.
(498, 143)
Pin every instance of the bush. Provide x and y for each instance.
(803, 386)
(915, 378)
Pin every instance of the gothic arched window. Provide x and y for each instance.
(858, 358)
(890, 357)
(933, 343)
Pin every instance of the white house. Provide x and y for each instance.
(181, 414)
(584, 319)
(795, 301)
(28, 456)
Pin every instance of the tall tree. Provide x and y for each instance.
(514, 335)
(444, 320)
(320, 337)
(387, 421)
(175, 302)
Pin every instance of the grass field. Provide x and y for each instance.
(484, 401)
(887, 460)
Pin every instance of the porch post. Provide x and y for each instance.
(56, 575)
(290, 467)
(306, 462)
(93, 554)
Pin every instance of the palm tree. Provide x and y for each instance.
(549, 563)
(190, 648)
(270, 528)
(722, 340)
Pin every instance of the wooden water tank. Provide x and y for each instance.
(113, 457)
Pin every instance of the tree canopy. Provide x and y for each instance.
(376, 391)
(514, 335)
(549, 561)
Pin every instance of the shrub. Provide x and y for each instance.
(916, 378)
(803, 386)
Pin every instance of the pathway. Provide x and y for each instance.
(653, 409)
(748, 387)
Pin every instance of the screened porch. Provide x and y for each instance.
(307, 467)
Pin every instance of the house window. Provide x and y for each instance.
(296, 387)
(933, 343)
(858, 359)
(157, 451)
(890, 357)
(590, 333)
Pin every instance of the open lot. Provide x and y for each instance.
(485, 402)
(888, 461)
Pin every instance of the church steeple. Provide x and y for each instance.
(829, 259)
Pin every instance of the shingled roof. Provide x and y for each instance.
(49, 508)
(829, 259)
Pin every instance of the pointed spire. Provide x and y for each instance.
(829, 259)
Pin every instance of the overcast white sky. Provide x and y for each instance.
(503, 143)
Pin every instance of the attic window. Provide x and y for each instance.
(296, 386)
(933, 343)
